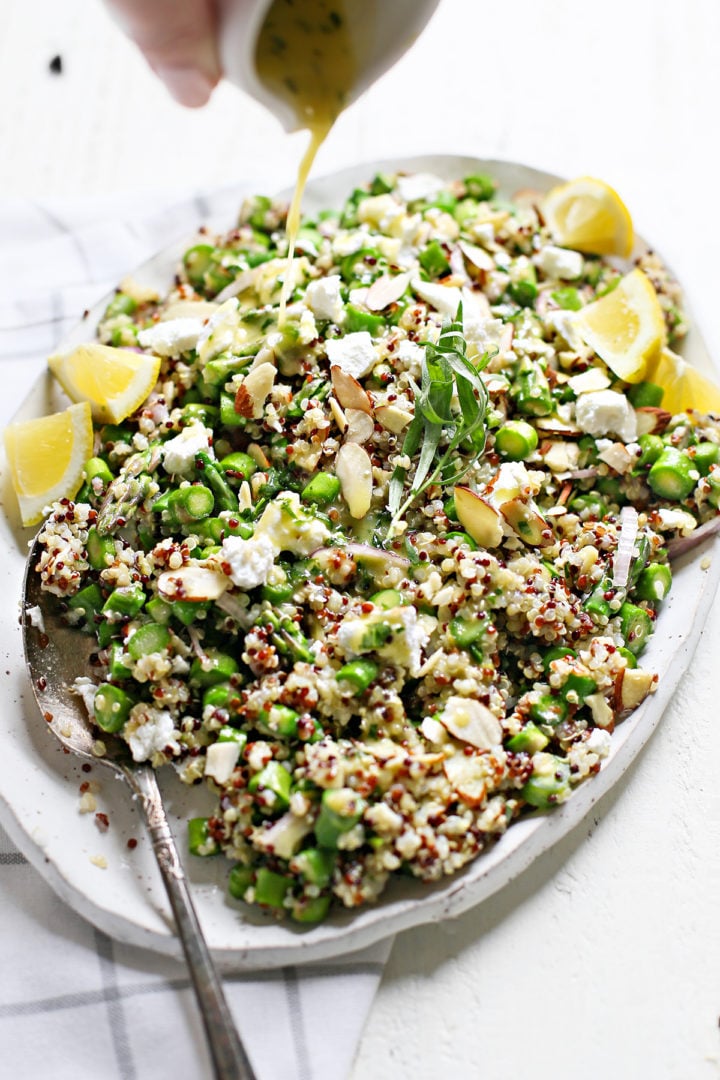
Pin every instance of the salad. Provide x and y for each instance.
(382, 574)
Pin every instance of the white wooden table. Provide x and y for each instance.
(605, 958)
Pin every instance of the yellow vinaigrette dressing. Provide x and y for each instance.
(306, 55)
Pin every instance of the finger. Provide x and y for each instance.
(178, 39)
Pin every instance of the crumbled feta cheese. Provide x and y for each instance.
(347, 243)
(472, 722)
(172, 338)
(354, 354)
(406, 640)
(563, 323)
(483, 232)
(379, 210)
(483, 334)
(324, 299)
(558, 262)
(599, 742)
(221, 759)
(258, 755)
(248, 562)
(285, 523)
(419, 186)
(86, 689)
(35, 617)
(410, 352)
(511, 481)
(149, 731)
(307, 327)
(606, 412)
(178, 454)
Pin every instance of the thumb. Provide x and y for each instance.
(177, 38)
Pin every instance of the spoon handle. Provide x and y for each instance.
(230, 1062)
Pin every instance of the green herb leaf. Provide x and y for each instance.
(447, 373)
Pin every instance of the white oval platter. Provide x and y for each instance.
(39, 783)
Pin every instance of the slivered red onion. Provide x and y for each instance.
(626, 546)
(682, 544)
(583, 474)
(197, 648)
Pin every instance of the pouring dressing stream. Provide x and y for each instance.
(308, 57)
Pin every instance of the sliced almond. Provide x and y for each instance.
(529, 525)
(354, 471)
(562, 456)
(480, 520)
(471, 722)
(477, 256)
(444, 298)
(359, 426)
(651, 420)
(195, 583)
(589, 381)
(618, 458)
(386, 290)
(555, 426)
(245, 499)
(220, 760)
(602, 714)
(349, 392)
(258, 384)
(635, 686)
(339, 415)
(393, 418)
(467, 777)
(258, 455)
(265, 355)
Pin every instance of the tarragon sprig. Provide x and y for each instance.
(451, 406)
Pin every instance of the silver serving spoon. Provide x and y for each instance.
(55, 657)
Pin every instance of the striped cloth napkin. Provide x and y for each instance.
(73, 1003)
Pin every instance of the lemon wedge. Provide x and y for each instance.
(47, 458)
(114, 381)
(626, 328)
(683, 385)
(589, 215)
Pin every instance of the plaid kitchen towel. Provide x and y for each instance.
(73, 1003)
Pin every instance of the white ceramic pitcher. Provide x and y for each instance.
(394, 26)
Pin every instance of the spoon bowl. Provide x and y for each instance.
(56, 656)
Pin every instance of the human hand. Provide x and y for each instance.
(178, 40)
